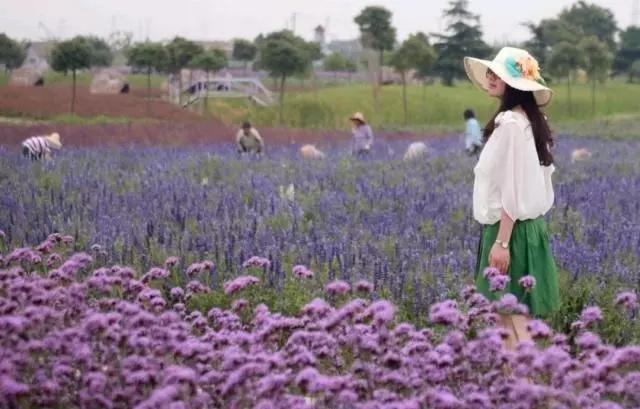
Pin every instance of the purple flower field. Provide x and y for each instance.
(77, 336)
(186, 278)
(405, 227)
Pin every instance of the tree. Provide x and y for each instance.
(335, 62)
(629, 51)
(350, 67)
(210, 61)
(634, 71)
(284, 54)
(147, 57)
(546, 34)
(564, 60)
(101, 54)
(180, 52)
(425, 65)
(71, 55)
(596, 62)
(244, 50)
(463, 37)
(376, 32)
(592, 20)
(414, 53)
(12, 53)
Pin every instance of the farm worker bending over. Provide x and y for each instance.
(39, 147)
(249, 140)
(472, 137)
(362, 135)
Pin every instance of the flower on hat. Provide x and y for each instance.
(525, 67)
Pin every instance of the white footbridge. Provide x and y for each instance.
(225, 87)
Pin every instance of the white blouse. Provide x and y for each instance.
(509, 175)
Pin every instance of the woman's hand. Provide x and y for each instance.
(499, 258)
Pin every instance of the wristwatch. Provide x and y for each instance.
(503, 244)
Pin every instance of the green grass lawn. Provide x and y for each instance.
(140, 81)
(433, 107)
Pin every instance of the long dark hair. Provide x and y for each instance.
(541, 132)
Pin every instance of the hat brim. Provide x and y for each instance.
(54, 140)
(355, 118)
(477, 72)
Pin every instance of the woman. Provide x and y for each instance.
(513, 190)
(362, 135)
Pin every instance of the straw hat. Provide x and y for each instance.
(358, 117)
(54, 140)
(514, 66)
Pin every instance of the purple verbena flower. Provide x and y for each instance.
(498, 283)
(628, 300)
(364, 286)
(337, 287)
(239, 284)
(301, 271)
(591, 315)
(256, 261)
(527, 283)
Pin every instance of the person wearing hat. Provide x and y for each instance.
(39, 147)
(362, 135)
(513, 190)
(248, 140)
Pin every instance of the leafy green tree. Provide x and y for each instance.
(148, 57)
(463, 37)
(180, 52)
(335, 62)
(244, 50)
(628, 52)
(565, 59)
(376, 32)
(284, 54)
(210, 61)
(101, 54)
(350, 66)
(414, 53)
(596, 62)
(12, 53)
(546, 34)
(425, 64)
(571, 25)
(634, 71)
(71, 55)
(592, 20)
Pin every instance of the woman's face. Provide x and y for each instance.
(496, 85)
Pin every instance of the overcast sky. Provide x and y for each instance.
(226, 19)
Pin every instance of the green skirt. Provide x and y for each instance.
(530, 255)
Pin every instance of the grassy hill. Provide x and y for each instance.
(431, 107)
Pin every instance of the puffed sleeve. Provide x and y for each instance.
(515, 170)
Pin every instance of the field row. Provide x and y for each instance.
(406, 227)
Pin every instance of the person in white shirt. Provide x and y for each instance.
(472, 133)
(513, 190)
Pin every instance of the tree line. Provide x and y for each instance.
(584, 37)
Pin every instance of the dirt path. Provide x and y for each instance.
(45, 102)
